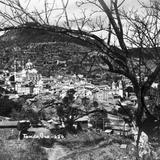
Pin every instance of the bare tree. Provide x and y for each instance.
(132, 47)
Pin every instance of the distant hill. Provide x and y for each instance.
(148, 53)
(54, 53)
(24, 36)
(51, 53)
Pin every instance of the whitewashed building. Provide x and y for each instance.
(28, 81)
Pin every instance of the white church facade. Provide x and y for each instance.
(28, 80)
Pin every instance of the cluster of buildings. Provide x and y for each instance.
(29, 81)
(25, 81)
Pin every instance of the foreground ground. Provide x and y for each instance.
(88, 145)
(84, 146)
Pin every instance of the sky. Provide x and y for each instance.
(72, 7)
(72, 10)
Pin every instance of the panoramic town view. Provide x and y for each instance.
(79, 80)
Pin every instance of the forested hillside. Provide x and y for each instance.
(51, 53)
(48, 52)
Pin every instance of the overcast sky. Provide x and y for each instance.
(72, 7)
(38, 3)
(72, 10)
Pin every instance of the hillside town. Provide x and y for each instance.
(117, 102)
(29, 81)
(79, 80)
(109, 99)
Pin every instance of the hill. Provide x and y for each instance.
(48, 52)
(55, 53)
(51, 53)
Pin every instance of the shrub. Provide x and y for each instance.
(7, 105)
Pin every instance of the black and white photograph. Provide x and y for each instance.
(79, 80)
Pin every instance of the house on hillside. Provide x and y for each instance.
(102, 93)
(117, 125)
(82, 123)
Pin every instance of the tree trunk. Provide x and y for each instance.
(137, 143)
(140, 109)
(139, 118)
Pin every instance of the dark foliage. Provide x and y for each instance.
(7, 106)
(66, 112)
